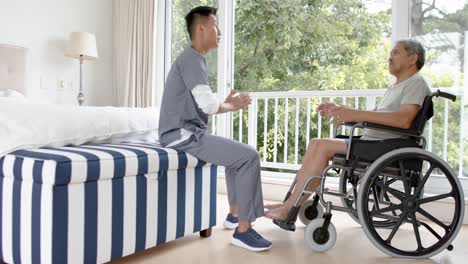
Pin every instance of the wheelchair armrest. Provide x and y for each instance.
(396, 130)
(374, 126)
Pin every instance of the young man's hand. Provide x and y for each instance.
(235, 100)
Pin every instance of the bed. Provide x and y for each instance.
(107, 193)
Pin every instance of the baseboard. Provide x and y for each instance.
(275, 189)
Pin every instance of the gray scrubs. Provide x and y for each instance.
(179, 110)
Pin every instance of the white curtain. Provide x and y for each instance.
(133, 52)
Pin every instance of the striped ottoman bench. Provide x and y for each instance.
(96, 203)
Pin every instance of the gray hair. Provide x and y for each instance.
(413, 46)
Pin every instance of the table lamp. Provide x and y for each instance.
(81, 46)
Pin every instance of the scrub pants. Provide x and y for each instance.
(242, 164)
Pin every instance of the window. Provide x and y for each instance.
(307, 46)
(442, 28)
(180, 38)
(302, 45)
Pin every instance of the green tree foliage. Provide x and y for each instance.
(309, 45)
(299, 45)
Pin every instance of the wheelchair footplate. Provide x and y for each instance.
(288, 224)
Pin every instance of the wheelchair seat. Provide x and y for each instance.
(370, 150)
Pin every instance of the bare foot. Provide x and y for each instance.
(279, 213)
(273, 206)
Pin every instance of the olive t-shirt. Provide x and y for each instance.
(410, 91)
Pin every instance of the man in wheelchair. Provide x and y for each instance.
(399, 107)
(383, 174)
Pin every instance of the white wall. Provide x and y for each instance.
(43, 27)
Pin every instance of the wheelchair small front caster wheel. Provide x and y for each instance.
(308, 213)
(317, 238)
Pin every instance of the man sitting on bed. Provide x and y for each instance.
(399, 107)
(186, 104)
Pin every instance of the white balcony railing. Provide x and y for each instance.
(281, 118)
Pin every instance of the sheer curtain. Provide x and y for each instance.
(133, 52)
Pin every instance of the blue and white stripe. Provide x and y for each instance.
(70, 164)
(92, 204)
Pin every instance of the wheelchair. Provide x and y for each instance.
(381, 187)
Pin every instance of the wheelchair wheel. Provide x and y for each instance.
(308, 213)
(317, 238)
(345, 186)
(421, 230)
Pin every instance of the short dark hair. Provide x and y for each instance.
(413, 46)
(195, 13)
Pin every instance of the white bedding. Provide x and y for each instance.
(26, 125)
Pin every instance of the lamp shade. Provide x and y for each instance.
(82, 43)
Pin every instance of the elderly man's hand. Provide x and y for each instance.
(341, 114)
(325, 108)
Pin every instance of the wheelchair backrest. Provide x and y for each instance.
(425, 113)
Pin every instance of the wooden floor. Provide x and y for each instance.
(352, 246)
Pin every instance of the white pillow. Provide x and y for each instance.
(25, 125)
(12, 95)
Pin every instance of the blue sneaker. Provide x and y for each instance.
(231, 222)
(250, 240)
